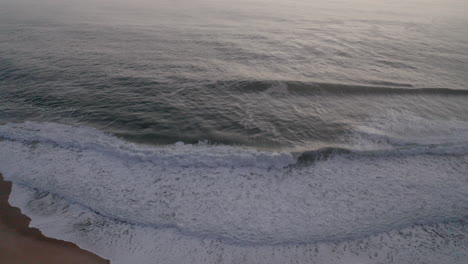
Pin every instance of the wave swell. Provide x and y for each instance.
(315, 88)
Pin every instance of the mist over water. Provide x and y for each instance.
(249, 131)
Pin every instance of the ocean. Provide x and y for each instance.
(251, 131)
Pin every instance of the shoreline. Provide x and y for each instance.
(20, 243)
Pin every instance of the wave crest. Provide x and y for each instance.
(241, 196)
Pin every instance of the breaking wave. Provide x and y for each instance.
(95, 189)
(240, 195)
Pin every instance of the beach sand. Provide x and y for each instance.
(20, 244)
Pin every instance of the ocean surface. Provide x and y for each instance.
(251, 131)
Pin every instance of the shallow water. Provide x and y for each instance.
(249, 131)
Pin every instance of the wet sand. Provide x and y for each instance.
(21, 244)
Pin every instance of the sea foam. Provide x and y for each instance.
(238, 197)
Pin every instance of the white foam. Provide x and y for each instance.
(244, 200)
(401, 127)
(125, 243)
(180, 154)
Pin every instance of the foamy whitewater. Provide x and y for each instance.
(201, 203)
(247, 131)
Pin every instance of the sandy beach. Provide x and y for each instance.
(21, 244)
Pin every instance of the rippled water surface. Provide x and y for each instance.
(252, 131)
(263, 73)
